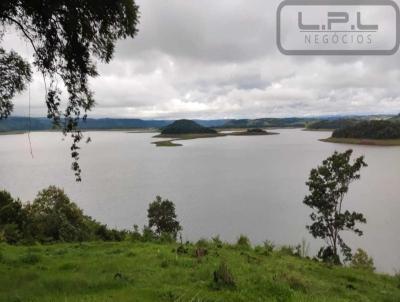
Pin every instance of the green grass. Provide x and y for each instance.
(358, 141)
(130, 271)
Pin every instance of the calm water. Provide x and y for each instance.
(226, 186)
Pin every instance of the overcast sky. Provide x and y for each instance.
(218, 59)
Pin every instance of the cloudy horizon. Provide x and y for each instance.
(209, 60)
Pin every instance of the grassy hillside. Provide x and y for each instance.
(130, 271)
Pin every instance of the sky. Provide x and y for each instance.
(219, 59)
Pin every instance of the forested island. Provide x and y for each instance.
(374, 132)
(253, 131)
(188, 129)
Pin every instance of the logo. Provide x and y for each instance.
(338, 27)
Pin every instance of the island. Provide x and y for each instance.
(373, 132)
(253, 131)
(186, 129)
(182, 130)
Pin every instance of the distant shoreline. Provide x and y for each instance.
(172, 138)
(363, 141)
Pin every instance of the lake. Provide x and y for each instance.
(227, 186)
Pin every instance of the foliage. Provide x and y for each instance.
(269, 247)
(223, 277)
(50, 217)
(14, 74)
(216, 240)
(12, 217)
(243, 242)
(162, 217)
(328, 185)
(53, 217)
(361, 260)
(370, 130)
(67, 37)
(287, 250)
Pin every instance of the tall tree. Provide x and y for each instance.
(67, 36)
(162, 216)
(328, 185)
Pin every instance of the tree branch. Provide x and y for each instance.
(23, 31)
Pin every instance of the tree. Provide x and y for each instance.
(12, 218)
(53, 217)
(161, 215)
(328, 185)
(67, 36)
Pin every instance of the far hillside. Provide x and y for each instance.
(331, 124)
(395, 118)
(186, 127)
(292, 122)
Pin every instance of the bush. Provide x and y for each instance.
(135, 235)
(302, 249)
(327, 255)
(269, 247)
(30, 258)
(243, 242)
(148, 234)
(202, 242)
(287, 250)
(223, 278)
(217, 241)
(397, 277)
(361, 260)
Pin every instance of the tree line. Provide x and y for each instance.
(53, 217)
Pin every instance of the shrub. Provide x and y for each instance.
(302, 249)
(30, 258)
(326, 255)
(135, 235)
(287, 250)
(223, 278)
(217, 241)
(361, 260)
(202, 242)
(148, 234)
(397, 277)
(243, 242)
(269, 247)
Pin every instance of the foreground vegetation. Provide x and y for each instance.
(51, 251)
(136, 271)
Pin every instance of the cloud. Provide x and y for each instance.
(218, 59)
